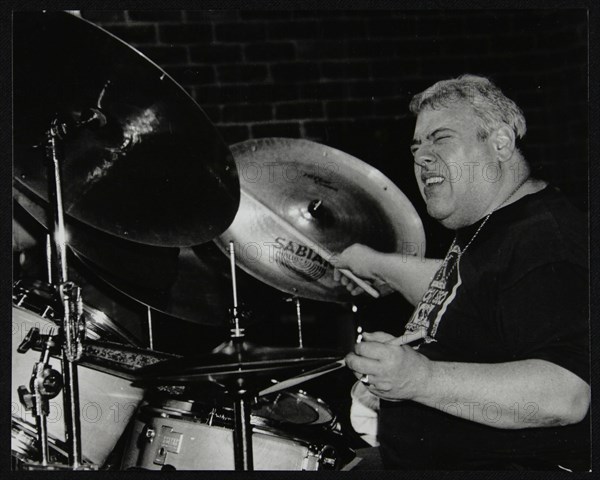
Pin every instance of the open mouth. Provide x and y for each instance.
(433, 181)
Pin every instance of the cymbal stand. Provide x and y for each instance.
(242, 432)
(236, 331)
(150, 330)
(296, 300)
(299, 317)
(49, 258)
(73, 326)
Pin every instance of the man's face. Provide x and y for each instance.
(457, 173)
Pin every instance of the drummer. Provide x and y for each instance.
(501, 379)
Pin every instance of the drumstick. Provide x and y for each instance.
(317, 372)
(408, 337)
(326, 254)
(331, 367)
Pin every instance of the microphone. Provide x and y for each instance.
(92, 118)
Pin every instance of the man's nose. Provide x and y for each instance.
(423, 157)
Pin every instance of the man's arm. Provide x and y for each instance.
(511, 395)
(520, 394)
(407, 274)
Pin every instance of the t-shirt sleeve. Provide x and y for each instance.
(545, 316)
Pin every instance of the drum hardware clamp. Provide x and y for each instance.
(45, 384)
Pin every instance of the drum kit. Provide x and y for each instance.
(127, 175)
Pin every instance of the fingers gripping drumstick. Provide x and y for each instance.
(317, 372)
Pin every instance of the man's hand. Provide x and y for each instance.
(357, 258)
(395, 372)
(388, 272)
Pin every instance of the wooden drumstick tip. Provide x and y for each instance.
(409, 337)
(359, 335)
(361, 283)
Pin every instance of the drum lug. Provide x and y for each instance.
(327, 457)
(320, 457)
(148, 433)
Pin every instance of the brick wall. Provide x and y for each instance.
(344, 78)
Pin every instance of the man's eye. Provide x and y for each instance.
(437, 139)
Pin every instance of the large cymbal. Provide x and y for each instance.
(297, 188)
(191, 283)
(238, 363)
(151, 168)
(200, 291)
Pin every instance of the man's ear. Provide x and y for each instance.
(503, 141)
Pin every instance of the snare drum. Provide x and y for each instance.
(107, 401)
(187, 436)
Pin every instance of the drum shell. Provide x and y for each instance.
(185, 442)
(107, 401)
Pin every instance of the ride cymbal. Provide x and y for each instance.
(140, 160)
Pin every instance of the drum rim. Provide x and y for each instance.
(103, 322)
(197, 411)
(311, 401)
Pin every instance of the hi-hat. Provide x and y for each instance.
(240, 364)
(298, 190)
(140, 159)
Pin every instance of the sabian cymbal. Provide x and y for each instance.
(140, 159)
(296, 189)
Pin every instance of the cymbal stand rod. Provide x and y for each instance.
(299, 317)
(242, 433)
(41, 404)
(71, 389)
(71, 344)
(49, 257)
(150, 333)
(55, 191)
(237, 332)
(326, 254)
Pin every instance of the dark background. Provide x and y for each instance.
(344, 79)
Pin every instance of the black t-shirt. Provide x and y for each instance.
(519, 291)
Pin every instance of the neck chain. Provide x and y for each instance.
(487, 217)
